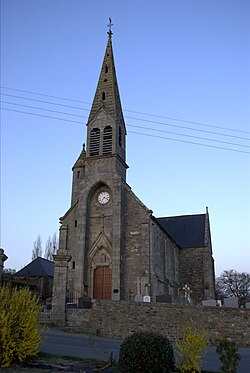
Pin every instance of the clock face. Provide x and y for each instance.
(103, 197)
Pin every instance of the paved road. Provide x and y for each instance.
(84, 346)
(80, 345)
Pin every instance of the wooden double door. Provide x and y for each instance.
(102, 282)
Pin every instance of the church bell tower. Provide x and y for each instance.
(106, 127)
(89, 259)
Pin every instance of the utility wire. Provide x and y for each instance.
(189, 128)
(185, 135)
(143, 120)
(43, 94)
(138, 133)
(189, 121)
(43, 116)
(190, 142)
(44, 102)
(131, 125)
(39, 108)
(131, 111)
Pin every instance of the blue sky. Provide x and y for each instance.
(186, 60)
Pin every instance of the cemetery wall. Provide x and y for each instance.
(119, 319)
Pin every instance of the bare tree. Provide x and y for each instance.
(48, 249)
(37, 248)
(55, 243)
(51, 247)
(232, 283)
(10, 271)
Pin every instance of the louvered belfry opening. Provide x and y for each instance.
(107, 140)
(94, 141)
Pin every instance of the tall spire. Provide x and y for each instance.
(107, 92)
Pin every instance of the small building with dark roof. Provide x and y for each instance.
(38, 276)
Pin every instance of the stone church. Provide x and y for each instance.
(111, 246)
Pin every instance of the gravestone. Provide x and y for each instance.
(247, 304)
(146, 298)
(164, 298)
(138, 297)
(232, 302)
(209, 303)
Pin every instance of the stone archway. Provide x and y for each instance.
(100, 274)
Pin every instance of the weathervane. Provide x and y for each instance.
(109, 26)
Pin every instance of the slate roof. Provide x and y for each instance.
(38, 267)
(187, 230)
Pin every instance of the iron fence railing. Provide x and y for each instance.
(75, 299)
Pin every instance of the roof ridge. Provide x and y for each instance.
(40, 257)
(179, 216)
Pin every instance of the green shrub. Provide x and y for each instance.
(146, 352)
(19, 333)
(228, 355)
(191, 348)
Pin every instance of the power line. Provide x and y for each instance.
(131, 125)
(145, 128)
(132, 111)
(43, 94)
(39, 108)
(44, 102)
(185, 135)
(43, 116)
(139, 133)
(140, 119)
(188, 128)
(188, 121)
(190, 142)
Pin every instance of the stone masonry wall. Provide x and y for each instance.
(136, 258)
(192, 271)
(165, 258)
(119, 319)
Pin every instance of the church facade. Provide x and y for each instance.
(110, 245)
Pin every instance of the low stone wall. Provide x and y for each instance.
(114, 319)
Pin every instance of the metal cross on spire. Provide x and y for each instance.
(109, 26)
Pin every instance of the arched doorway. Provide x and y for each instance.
(102, 283)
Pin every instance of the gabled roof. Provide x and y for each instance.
(187, 230)
(38, 267)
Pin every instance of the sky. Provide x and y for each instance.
(183, 70)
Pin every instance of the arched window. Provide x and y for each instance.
(107, 140)
(106, 69)
(103, 96)
(94, 141)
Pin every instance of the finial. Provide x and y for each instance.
(109, 26)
